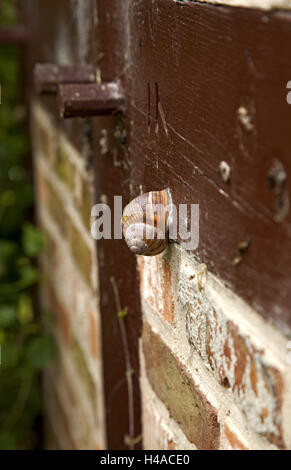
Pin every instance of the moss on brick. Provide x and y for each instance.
(56, 208)
(44, 140)
(185, 402)
(79, 248)
(65, 169)
(86, 203)
(80, 251)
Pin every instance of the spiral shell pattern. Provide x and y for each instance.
(145, 223)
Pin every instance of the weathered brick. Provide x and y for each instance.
(57, 308)
(41, 186)
(156, 433)
(64, 195)
(84, 373)
(93, 334)
(66, 387)
(55, 410)
(233, 440)
(80, 303)
(65, 169)
(79, 183)
(156, 285)
(160, 431)
(236, 362)
(44, 135)
(80, 250)
(86, 201)
(175, 388)
(56, 207)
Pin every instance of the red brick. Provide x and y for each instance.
(94, 336)
(156, 434)
(65, 169)
(83, 371)
(156, 285)
(234, 359)
(80, 250)
(176, 389)
(56, 412)
(233, 440)
(59, 310)
(86, 201)
(44, 138)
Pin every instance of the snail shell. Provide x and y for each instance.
(145, 223)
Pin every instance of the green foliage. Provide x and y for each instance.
(32, 240)
(24, 348)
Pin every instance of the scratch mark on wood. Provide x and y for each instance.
(149, 109)
(157, 108)
(162, 114)
(242, 205)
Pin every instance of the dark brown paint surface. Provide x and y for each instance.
(193, 71)
(17, 35)
(48, 77)
(116, 265)
(89, 100)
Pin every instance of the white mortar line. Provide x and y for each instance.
(264, 335)
(256, 4)
(83, 399)
(68, 205)
(149, 395)
(50, 226)
(221, 399)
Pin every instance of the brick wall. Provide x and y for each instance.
(73, 383)
(215, 375)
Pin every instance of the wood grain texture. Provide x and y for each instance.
(207, 84)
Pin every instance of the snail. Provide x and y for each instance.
(145, 223)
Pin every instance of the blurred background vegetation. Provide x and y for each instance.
(24, 347)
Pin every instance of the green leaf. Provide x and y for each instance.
(29, 276)
(11, 353)
(7, 316)
(8, 198)
(24, 309)
(123, 313)
(7, 441)
(32, 240)
(7, 248)
(8, 252)
(40, 351)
